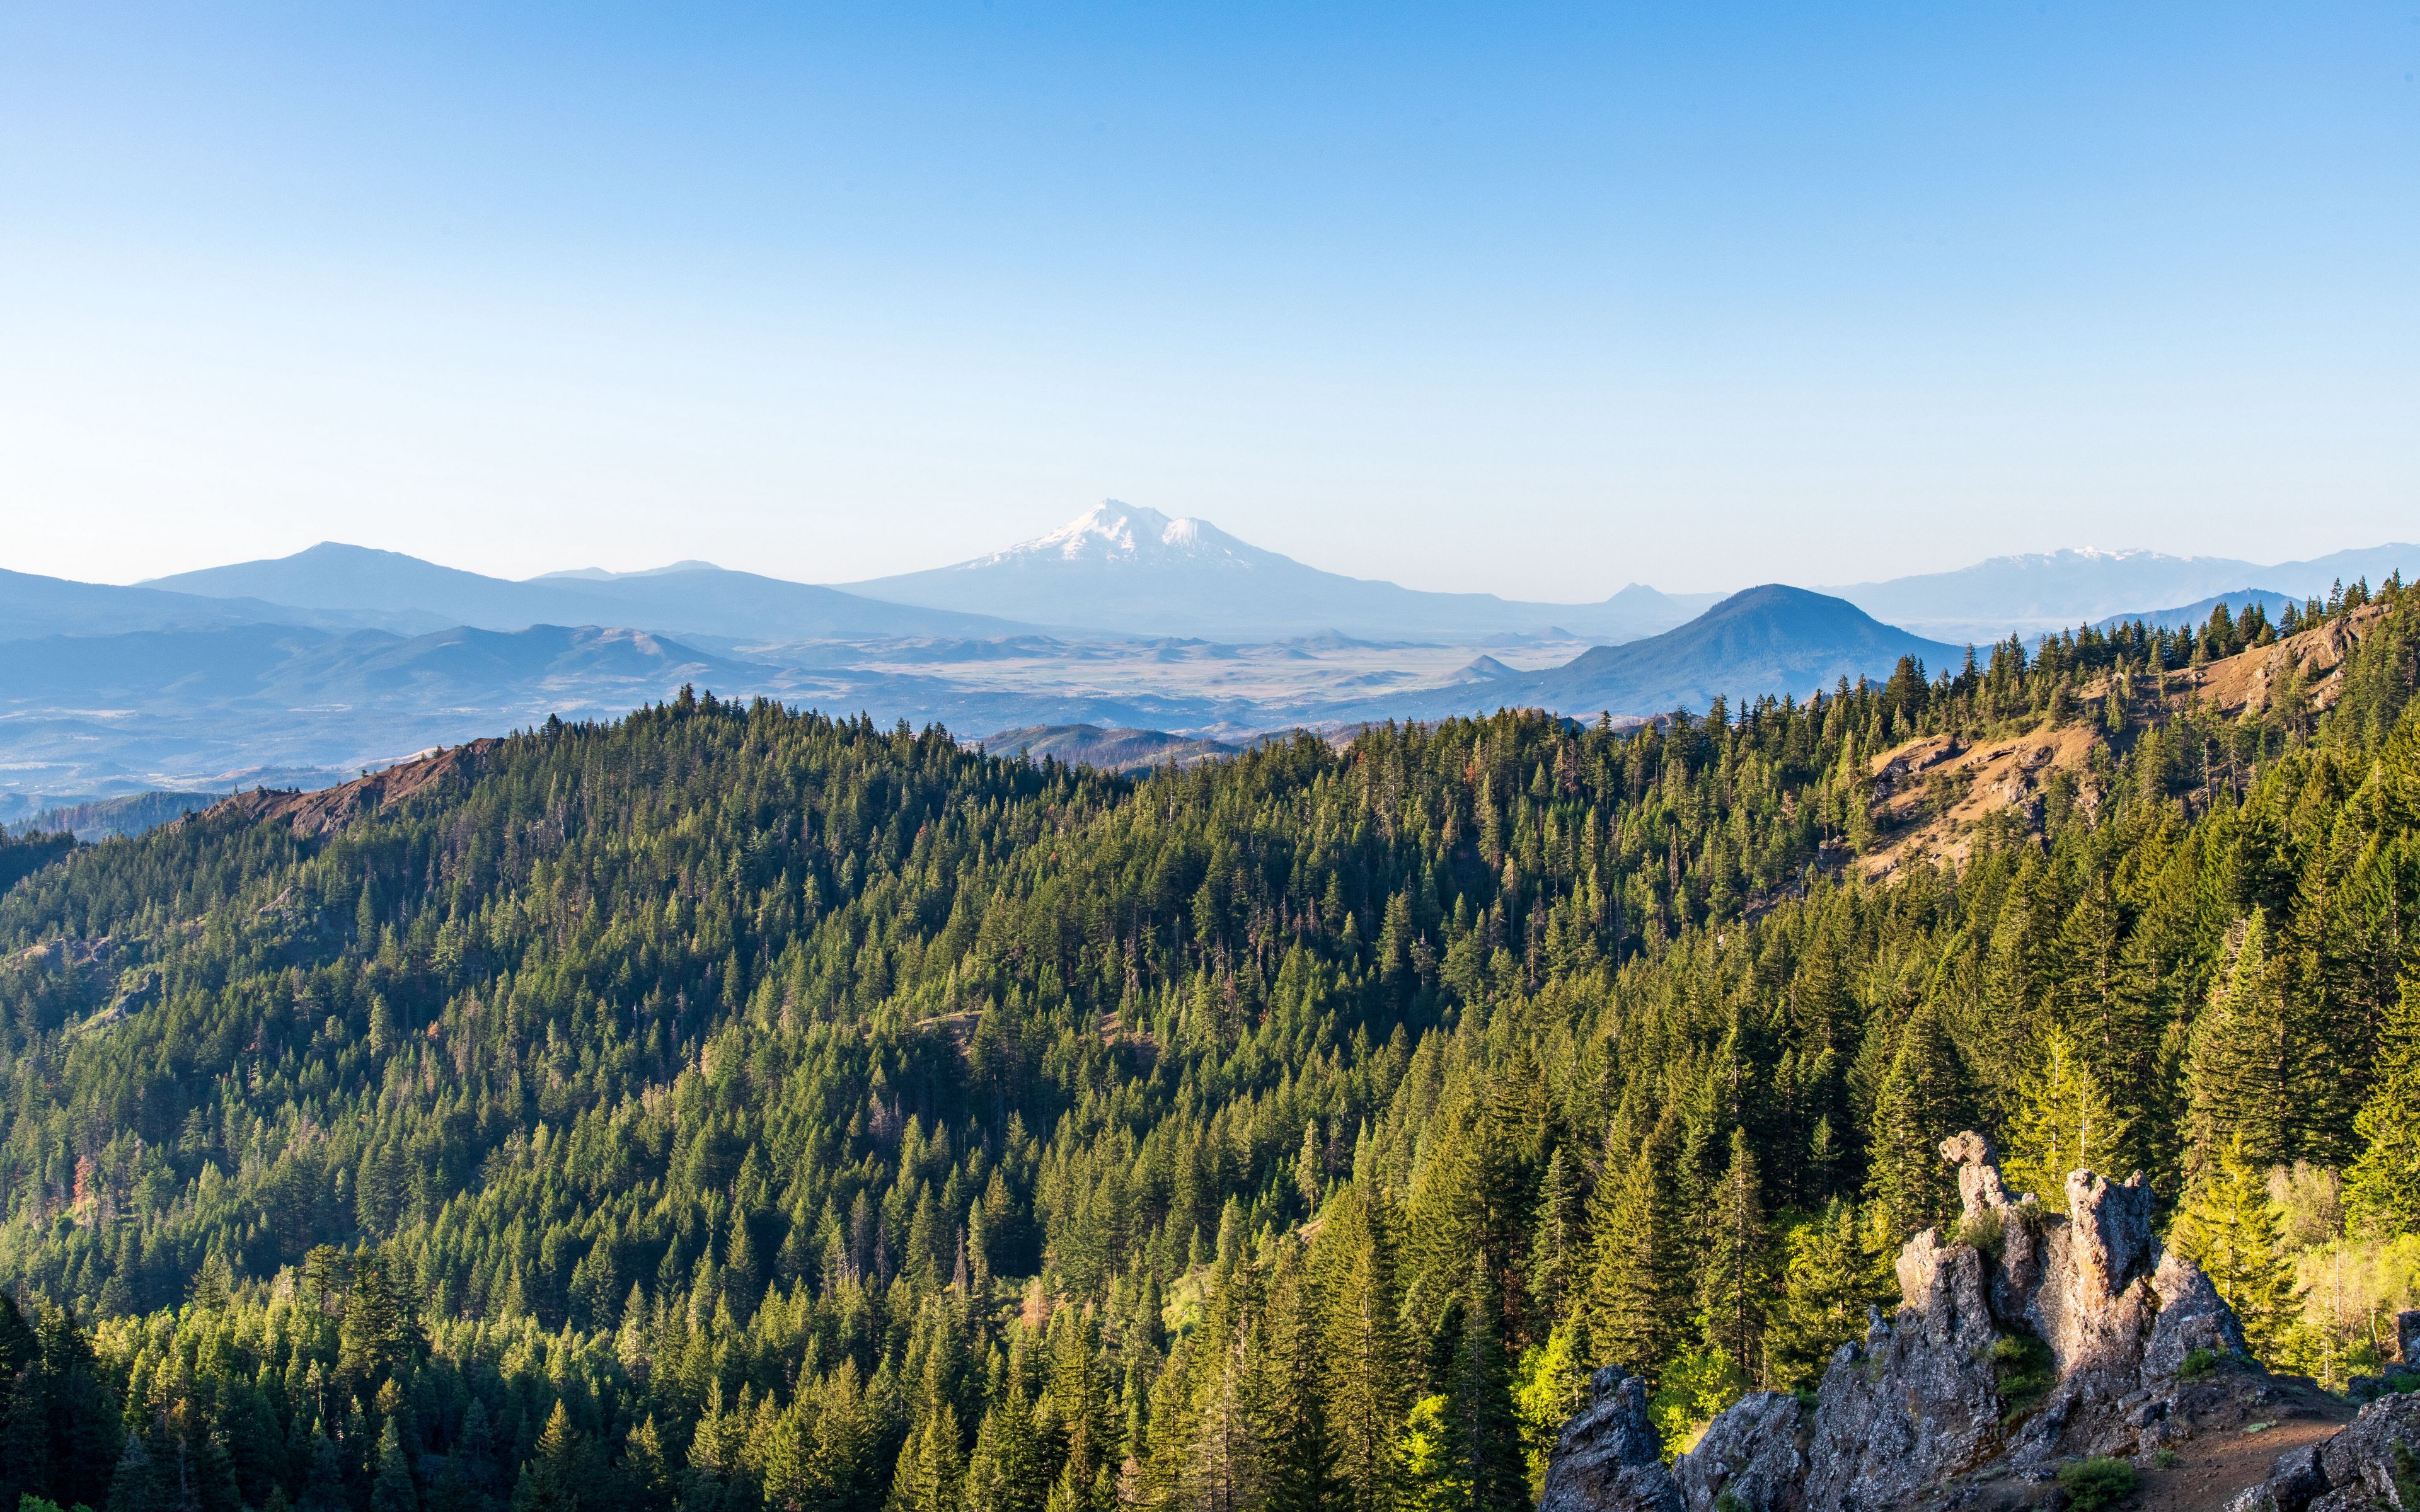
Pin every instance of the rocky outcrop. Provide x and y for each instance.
(2375, 1462)
(2023, 1337)
(1610, 1455)
(331, 809)
(1756, 1452)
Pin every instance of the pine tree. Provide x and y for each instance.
(381, 1327)
(1365, 1361)
(2382, 1188)
(1832, 1277)
(1482, 1437)
(932, 1468)
(1557, 1254)
(324, 1489)
(1006, 1473)
(2239, 1074)
(550, 1481)
(2111, 1031)
(2063, 1120)
(392, 1490)
(1550, 1385)
(1925, 1092)
(1301, 1454)
(1640, 1289)
(2229, 1229)
(1737, 1280)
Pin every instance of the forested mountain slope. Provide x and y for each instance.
(733, 1108)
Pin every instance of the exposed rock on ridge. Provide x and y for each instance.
(1928, 1409)
(331, 809)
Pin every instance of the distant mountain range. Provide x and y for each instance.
(688, 598)
(2061, 590)
(1124, 568)
(1111, 751)
(1125, 636)
(2194, 615)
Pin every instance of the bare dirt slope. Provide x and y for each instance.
(1927, 795)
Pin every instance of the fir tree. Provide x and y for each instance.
(2063, 1120)
(391, 1490)
(1482, 1437)
(1365, 1361)
(1640, 1288)
(1925, 1092)
(1737, 1278)
(2229, 1229)
(2382, 1188)
(1301, 1453)
(1831, 1277)
(2239, 1070)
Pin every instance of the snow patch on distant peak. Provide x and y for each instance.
(1115, 533)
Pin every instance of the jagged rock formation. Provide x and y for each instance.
(2373, 1464)
(1951, 1398)
(1610, 1455)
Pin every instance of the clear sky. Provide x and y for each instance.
(1537, 301)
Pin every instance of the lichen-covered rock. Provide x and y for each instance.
(1609, 1458)
(2375, 1462)
(1756, 1452)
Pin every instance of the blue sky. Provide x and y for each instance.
(1532, 300)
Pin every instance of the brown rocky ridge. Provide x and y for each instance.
(328, 808)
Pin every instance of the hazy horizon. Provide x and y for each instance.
(1342, 569)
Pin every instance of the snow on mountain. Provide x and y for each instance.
(1128, 567)
(1114, 534)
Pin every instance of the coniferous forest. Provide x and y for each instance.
(734, 1108)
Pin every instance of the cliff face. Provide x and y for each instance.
(1949, 1403)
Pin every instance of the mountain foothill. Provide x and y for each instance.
(303, 670)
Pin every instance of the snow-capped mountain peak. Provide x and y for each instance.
(1114, 532)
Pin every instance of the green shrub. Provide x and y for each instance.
(2095, 1483)
(2199, 1363)
(2024, 1371)
(1984, 1231)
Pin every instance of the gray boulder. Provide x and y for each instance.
(2374, 1462)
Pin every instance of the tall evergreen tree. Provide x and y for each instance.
(1925, 1092)
(2063, 1120)
(1639, 1291)
(2229, 1229)
(2239, 1074)
(1365, 1361)
(1736, 1282)
(1482, 1437)
(2382, 1188)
